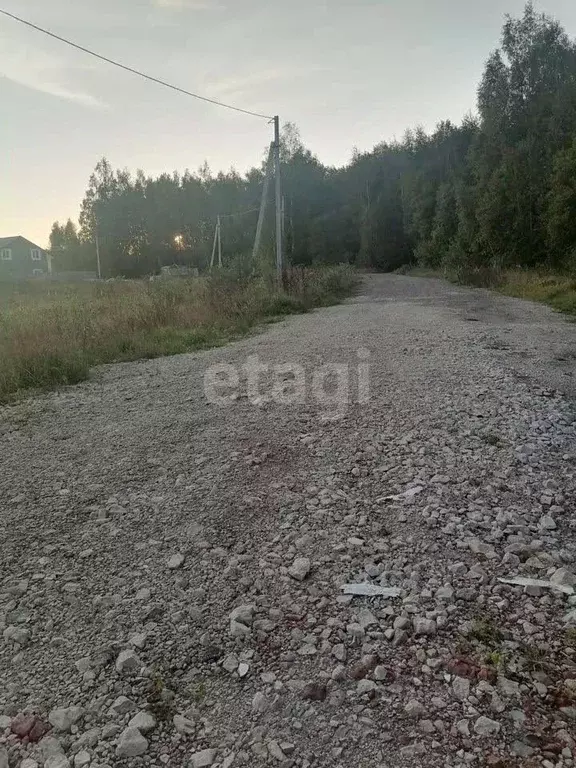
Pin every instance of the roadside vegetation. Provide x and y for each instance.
(53, 334)
(556, 290)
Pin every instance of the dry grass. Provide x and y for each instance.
(53, 334)
(559, 291)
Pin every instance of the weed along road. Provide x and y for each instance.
(177, 536)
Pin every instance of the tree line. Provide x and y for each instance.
(497, 190)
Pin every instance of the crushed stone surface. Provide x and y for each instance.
(171, 569)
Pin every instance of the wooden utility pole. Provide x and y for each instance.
(98, 256)
(279, 248)
(263, 203)
(219, 243)
(214, 246)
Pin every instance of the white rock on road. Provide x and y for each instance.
(461, 688)
(300, 568)
(547, 523)
(57, 761)
(131, 743)
(244, 614)
(176, 561)
(415, 709)
(203, 759)
(564, 577)
(128, 663)
(63, 719)
(484, 726)
(122, 705)
(82, 759)
(424, 627)
(184, 725)
(17, 635)
(143, 721)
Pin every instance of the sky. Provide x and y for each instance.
(349, 73)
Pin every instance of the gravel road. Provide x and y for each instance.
(172, 568)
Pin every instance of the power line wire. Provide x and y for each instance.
(130, 69)
(238, 213)
(227, 216)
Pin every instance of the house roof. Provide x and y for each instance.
(5, 242)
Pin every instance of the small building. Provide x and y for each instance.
(177, 270)
(20, 259)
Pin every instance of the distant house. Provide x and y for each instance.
(20, 258)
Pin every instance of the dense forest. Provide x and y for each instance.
(498, 190)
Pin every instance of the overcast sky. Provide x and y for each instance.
(349, 73)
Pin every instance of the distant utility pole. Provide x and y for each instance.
(98, 269)
(214, 244)
(279, 248)
(219, 243)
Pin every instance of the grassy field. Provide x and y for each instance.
(53, 334)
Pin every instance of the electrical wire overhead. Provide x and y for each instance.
(131, 70)
(238, 213)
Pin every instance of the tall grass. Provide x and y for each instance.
(559, 291)
(53, 335)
